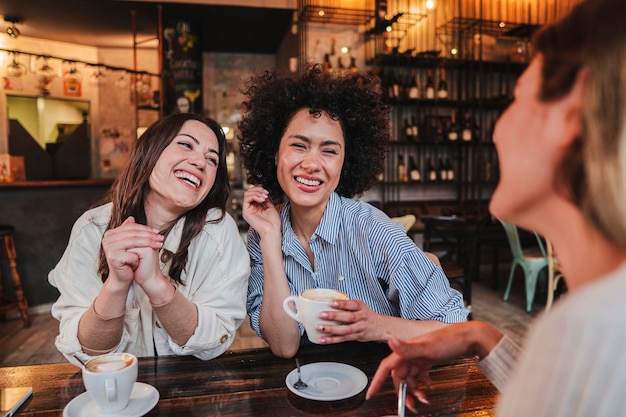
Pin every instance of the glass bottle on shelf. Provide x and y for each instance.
(488, 171)
(414, 91)
(353, 68)
(430, 85)
(327, 64)
(453, 131)
(467, 133)
(414, 129)
(408, 130)
(431, 171)
(395, 87)
(381, 8)
(449, 170)
(442, 88)
(402, 171)
(387, 81)
(414, 172)
(443, 171)
(476, 134)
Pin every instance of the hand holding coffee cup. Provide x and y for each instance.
(308, 305)
(109, 380)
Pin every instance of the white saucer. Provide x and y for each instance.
(328, 381)
(143, 398)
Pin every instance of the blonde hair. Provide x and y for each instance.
(592, 38)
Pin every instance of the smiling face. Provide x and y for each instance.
(531, 137)
(185, 171)
(309, 160)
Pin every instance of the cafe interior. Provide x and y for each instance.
(81, 80)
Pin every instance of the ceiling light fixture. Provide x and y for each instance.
(12, 29)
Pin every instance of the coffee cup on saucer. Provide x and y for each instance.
(109, 380)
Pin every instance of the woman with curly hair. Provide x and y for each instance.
(315, 141)
(160, 269)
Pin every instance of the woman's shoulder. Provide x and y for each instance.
(364, 212)
(220, 223)
(367, 219)
(98, 216)
(90, 226)
(598, 304)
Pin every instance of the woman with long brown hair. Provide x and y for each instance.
(160, 268)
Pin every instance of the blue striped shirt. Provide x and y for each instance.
(359, 250)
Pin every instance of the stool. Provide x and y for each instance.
(7, 248)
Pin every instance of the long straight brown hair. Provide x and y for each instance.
(128, 192)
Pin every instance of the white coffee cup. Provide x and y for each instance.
(109, 380)
(308, 305)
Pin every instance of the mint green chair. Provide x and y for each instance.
(531, 260)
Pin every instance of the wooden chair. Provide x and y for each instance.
(7, 248)
(407, 221)
(554, 274)
(452, 241)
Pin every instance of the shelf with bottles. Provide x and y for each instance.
(431, 59)
(417, 126)
(433, 87)
(432, 165)
(442, 82)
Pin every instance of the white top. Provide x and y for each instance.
(574, 362)
(215, 278)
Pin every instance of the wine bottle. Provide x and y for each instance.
(408, 130)
(381, 8)
(414, 91)
(414, 129)
(340, 63)
(453, 131)
(442, 89)
(476, 134)
(430, 169)
(450, 170)
(388, 84)
(327, 64)
(488, 171)
(430, 85)
(402, 172)
(414, 172)
(353, 68)
(443, 171)
(395, 87)
(468, 132)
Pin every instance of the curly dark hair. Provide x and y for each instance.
(129, 190)
(271, 100)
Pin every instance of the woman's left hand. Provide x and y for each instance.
(359, 322)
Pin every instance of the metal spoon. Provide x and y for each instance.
(299, 384)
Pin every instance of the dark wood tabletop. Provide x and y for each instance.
(252, 383)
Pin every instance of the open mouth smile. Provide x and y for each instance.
(188, 178)
(304, 181)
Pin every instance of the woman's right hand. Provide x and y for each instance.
(411, 360)
(259, 211)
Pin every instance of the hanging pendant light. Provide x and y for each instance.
(15, 68)
(97, 78)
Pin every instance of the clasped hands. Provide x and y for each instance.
(132, 253)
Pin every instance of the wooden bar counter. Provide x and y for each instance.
(252, 383)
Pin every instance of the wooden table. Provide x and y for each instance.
(252, 383)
